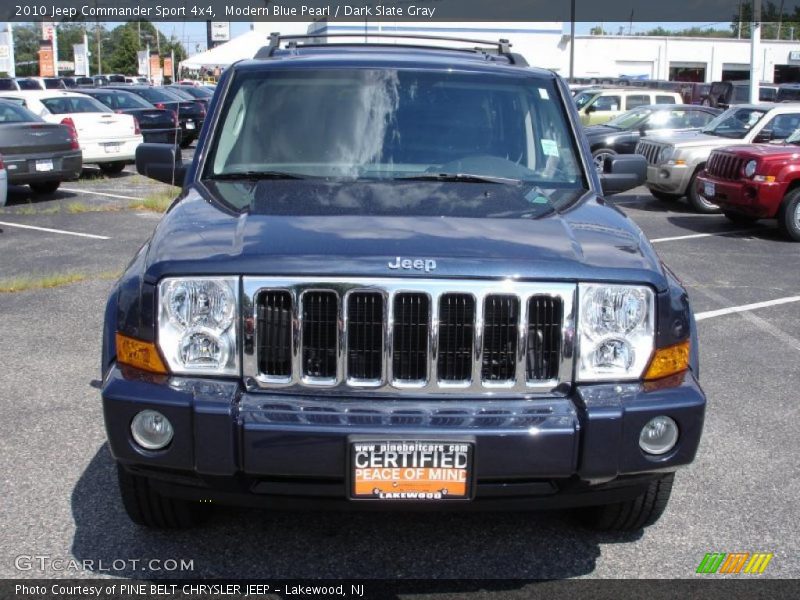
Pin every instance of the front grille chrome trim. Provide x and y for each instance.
(387, 385)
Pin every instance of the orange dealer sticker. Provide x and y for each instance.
(411, 470)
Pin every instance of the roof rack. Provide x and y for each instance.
(503, 46)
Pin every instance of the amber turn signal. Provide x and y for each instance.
(139, 354)
(669, 361)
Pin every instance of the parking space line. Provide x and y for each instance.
(101, 194)
(745, 307)
(703, 235)
(61, 231)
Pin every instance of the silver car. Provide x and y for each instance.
(675, 160)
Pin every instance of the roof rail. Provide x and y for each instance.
(502, 47)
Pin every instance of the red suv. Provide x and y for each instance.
(756, 181)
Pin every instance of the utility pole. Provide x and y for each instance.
(572, 40)
(99, 51)
(755, 46)
(780, 21)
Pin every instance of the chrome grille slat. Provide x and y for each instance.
(381, 336)
(319, 335)
(724, 166)
(500, 320)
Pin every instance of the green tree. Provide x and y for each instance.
(126, 40)
(774, 23)
(26, 48)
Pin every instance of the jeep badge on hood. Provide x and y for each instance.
(420, 264)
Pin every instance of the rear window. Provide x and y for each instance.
(124, 100)
(54, 84)
(788, 94)
(155, 95)
(7, 85)
(73, 104)
(14, 113)
(28, 84)
(665, 99)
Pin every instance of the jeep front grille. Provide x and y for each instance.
(650, 150)
(431, 336)
(725, 166)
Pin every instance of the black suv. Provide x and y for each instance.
(391, 281)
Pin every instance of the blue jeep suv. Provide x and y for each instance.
(391, 281)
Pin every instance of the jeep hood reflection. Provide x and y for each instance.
(306, 228)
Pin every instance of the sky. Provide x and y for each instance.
(193, 35)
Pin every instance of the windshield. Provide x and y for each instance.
(388, 124)
(630, 119)
(584, 98)
(735, 123)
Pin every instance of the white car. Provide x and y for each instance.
(3, 183)
(106, 138)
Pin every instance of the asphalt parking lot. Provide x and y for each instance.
(60, 492)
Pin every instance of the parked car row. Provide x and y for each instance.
(47, 135)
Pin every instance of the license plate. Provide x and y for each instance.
(112, 148)
(189, 124)
(709, 189)
(411, 470)
(44, 165)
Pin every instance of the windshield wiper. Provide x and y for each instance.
(459, 177)
(244, 175)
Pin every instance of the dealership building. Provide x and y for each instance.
(547, 45)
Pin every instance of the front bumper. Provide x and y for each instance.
(267, 449)
(761, 200)
(66, 166)
(670, 179)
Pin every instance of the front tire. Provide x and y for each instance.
(145, 506)
(789, 216)
(631, 515)
(44, 187)
(697, 201)
(112, 168)
(600, 155)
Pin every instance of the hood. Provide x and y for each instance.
(602, 131)
(781, 151)
(305, 228)
(691, 139)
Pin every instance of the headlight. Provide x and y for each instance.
(666, 154)
(197, 325)
(616, 329)
(750, 168)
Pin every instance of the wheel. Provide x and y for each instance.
(631, 515)
(739, 218)
(789, 215)
(45, 187)
(186, 142)
(112, 168)
(664, 196)
(145, 506)
(599, 156)
(696, 200)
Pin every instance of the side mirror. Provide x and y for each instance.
(162, 162)
(762, 137)
(622, 173)
(590, 109)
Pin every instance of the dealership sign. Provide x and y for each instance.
(220, 31)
